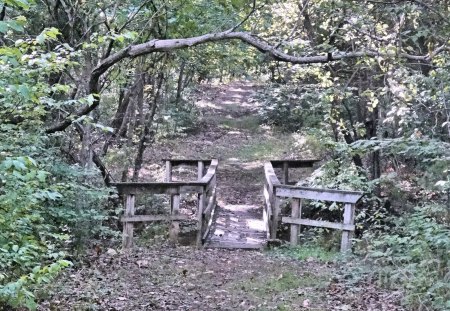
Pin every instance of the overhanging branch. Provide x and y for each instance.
(167, 45)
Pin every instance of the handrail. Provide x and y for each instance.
(320, 194)
(189, 162)
(274, 191)
(171, 187)
(270, 211)
(204, 186)
(211, 172)
(271, 177)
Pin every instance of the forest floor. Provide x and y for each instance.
(160, 276)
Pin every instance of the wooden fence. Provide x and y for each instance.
(204, 186)
(274, 191)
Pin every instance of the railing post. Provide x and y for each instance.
(175, 226)
(128, 226)
(349, 219)
(174, 206)
(296, 212)
(169, 179)
(285, 172)
(201, 169)
(275, 216)
(168, 171)
(200, 208)
(265, 208)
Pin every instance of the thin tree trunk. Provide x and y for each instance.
(180, 81)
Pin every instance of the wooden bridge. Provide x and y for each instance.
(231, 226)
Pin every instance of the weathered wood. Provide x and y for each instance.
(175, 225)
(318, 223)
(267, 195)
(204, 184)
(160, 188)
(168, 176)
(285, 173)
(211, 206)
(275, 217)
(349, 220)
(271, 177)
(200, 169)
(150, 218)
(188, 162)
(266, 209)
(200, 208)
(235, 245)
(206, 179)
(211, 202)
(128, 226)
(318, 194)
(295, 213)
(294, 163)
(272, 202)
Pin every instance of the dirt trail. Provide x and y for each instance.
(163, 277)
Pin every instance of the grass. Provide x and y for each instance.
(286, 281)
(308, 251)
(250, 123)
(263, 149)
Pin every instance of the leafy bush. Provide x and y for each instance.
(288, 108)
(40, 217)
(178, 119)
(46, 205)
(415, 256)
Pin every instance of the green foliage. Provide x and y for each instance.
(289, 108)
(415, 256)
(178, 119)
(45, 205)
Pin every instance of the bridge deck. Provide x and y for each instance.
(237, 226)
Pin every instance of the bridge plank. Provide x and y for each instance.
(318, 223)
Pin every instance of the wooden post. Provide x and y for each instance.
(128, 226)
(174, 206)
(175, 226)
(201, 169)
(349, 219)
(168, 171)
(275, 216)
(296, 212)
(169, 179)
(200, 208)
(285, 172)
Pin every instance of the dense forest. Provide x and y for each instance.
(91, 90)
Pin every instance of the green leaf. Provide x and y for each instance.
(24, 91)
(3, 27)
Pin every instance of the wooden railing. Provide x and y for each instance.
(274, 191)
(204, 186)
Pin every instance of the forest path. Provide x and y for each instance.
(238, 220)
(231, 132)
(156, 275)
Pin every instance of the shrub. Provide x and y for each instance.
(415, 257)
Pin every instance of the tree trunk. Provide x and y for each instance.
(180, 81)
